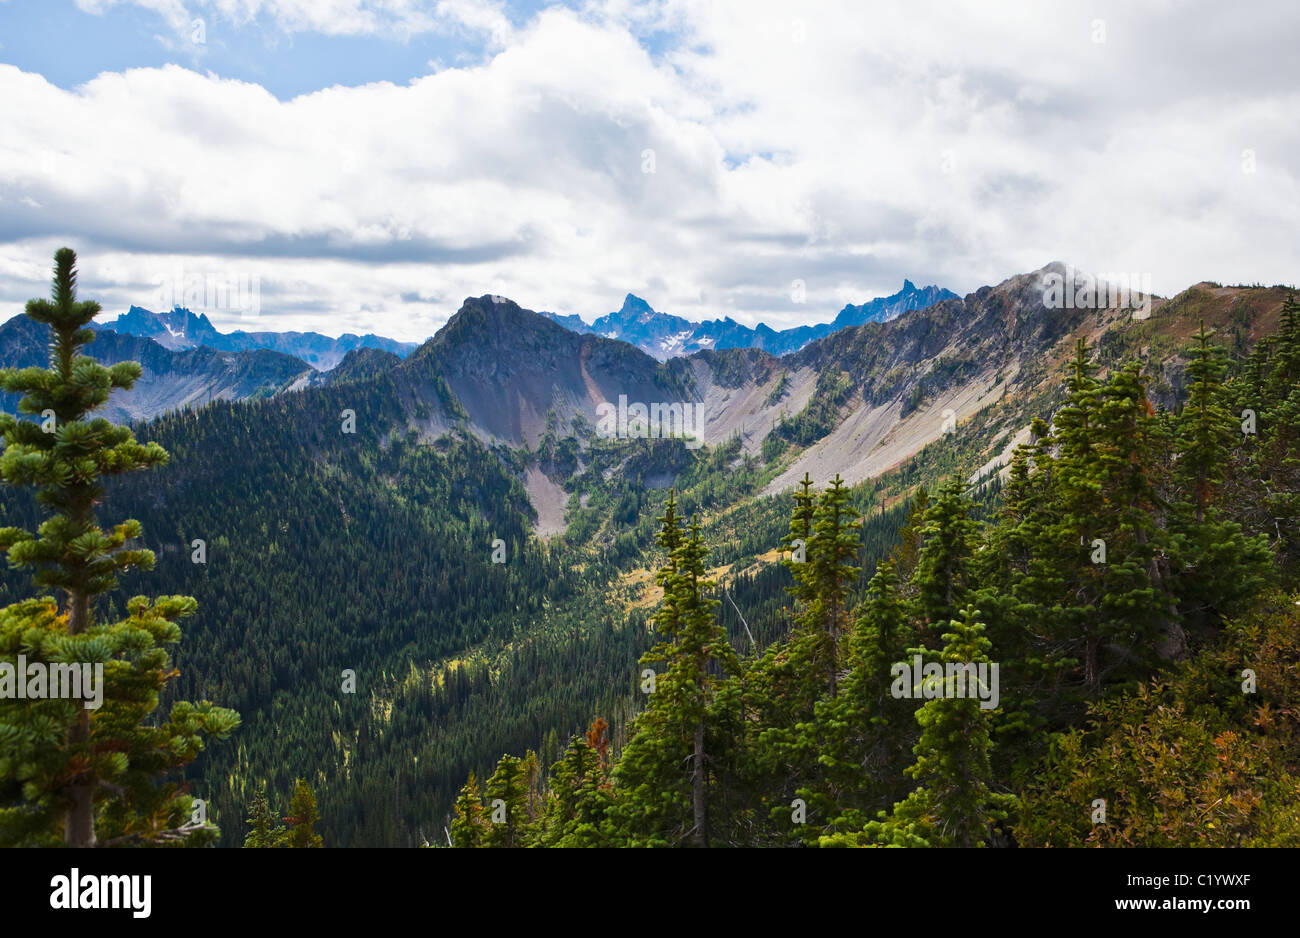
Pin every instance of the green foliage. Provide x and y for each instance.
(954, 805)
(1192, 759)
(468, 826)
(298, 829)
(942, 577)
(264, 831)
(821, 414)
(302, 818)
(662, 773)
(70, 772)
(507, 806)
(773, 718)
(1116, 572)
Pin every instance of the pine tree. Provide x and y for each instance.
(1135, 591)
(264, 830)
(507, 805)
(1264, 489)
(864, 732)
(669, 538)
(1206, 427)
(88, 776)
(798, 539)
(1098, 569)
(822, 581)
(302, 818)
(581, 795)
(954, 805)
(836, 539)
(1217, 568)
(468, 827)
(943, 568)
(659, 803)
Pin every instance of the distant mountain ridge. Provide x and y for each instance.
(857, 401)
(171, 378)
(182, 329)
(664, 336)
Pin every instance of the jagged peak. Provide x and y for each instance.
(634, 304)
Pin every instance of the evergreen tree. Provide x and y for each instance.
(669, 538)
(302, 818)
(265, 831)
(864, 731)
(507, 805)
(1264, 488)
(1217, 568)
(581, 795)
(799, 537)
(88, 776)
(943, 568)
(468, 827)
(1098, 573)
(954, 805)
(532, 770)
(1134, 589)
(1206, 428)
(660, 804)
(830, 571)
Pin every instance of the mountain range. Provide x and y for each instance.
(351, 517)
(187, 361)
(664, 336)
(181, 329)
(857, 402)
(847, 400)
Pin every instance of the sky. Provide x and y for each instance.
(366, 165)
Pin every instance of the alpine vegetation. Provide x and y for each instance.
(656, 421)
(69, 773)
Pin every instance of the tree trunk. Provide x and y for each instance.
(1172, 645)
(79, 827)
(700, 836)
(833, 649)
(1090, 663)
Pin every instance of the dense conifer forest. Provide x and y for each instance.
(1135, 584)
(383, 653)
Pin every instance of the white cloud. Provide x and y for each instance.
(956, 144)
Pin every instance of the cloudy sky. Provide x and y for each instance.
(370, 163)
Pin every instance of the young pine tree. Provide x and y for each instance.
(797, 539)
(1206, 429)
(829, 574)
(88, 776)
(468, 826)
(302, 818)
(1263, 489)
(865, 731)
(507, 807)
(1098, 565)
(264, 830)
(942, 576)
(661, 778)
(1216, 568)
(953, 805)
(581, 795)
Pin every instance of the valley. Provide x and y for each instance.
(371, 551)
